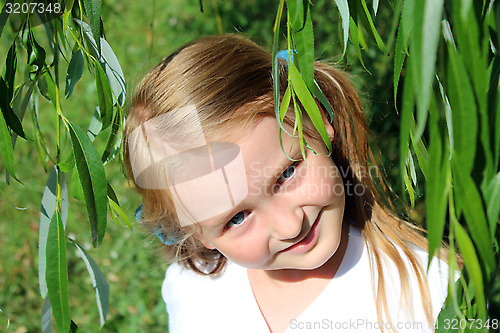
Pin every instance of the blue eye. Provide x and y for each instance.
(288, 173)
(237, 219)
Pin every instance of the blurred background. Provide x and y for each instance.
(141, 33)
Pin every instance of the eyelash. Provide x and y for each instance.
(278, 183)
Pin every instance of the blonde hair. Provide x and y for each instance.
(223, 75)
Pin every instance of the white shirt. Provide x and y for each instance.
(197, 303)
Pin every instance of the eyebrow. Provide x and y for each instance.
(284, 162)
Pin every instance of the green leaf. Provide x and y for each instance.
(67, 13)
(99, 283)
(10, 71)
(110, 64)
(343, 7)
(447, 113)
(46, 322)
(104, 95)
(6, 149)
(76, 187)
(492, 198)
(473, 267)
(121, 214)
(475, 217)
(95, 125)
(464, 115)
(93, 10)
(370, 27)
(275, 69)
(355, 36)
(427, 18)
(10, 117)
(402, 41)
(4, 15)
(93, 180)
(494, 109)
(113, 144)
(57, 273)
(437, 187)
(309, 104)
(303, 36)
(47, 209)
(75, 71)
(404, 130)
(47, 87)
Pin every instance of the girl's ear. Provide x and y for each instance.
(328, 126)
(203, 241)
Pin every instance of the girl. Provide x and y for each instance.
(265, 239)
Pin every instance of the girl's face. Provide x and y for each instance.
(292, 215)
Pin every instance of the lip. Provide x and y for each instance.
(308, 241)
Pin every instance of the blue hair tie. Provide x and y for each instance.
(283, 54)
(165, 239)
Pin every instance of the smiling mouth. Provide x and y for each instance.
(308, 240)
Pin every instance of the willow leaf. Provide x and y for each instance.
(121, 214)
(99, 283)
(10, 70)
(57, 273)
(46, 319)
(11, 119)
(304, 43)
(93, 10)
(472, 266)
(436, 189)
(492, 198)
(475, 218)
(343, 7)
(47, 209)
(93, 179)
(6, 149)
(75, 71)
(104, 96)
(309, 104)
(424, 48)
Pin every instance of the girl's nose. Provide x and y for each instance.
(285, 221)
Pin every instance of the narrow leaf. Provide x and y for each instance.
(114, 140)
(10, 70)
(492, 198)
(104, 95)
(475, 217)
(47, 210)
(93, 180)
(67, 13)
(424, 48)
(93, 10)
(99, 283)
(309, 104)
(75, 71)
(110, 64)
(472, 266)
(57, 273)
(46, 323)
(6, 150)
(343, 7)
(10, 117)
(121, 214)
(436, 189)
